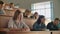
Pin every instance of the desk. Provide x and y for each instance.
(10, 12)
(55, 32)
(6, 31)
(4, 20)
(30, 32)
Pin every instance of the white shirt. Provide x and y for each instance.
(12, 24)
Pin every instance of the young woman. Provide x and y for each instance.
(16, 23)
(40, 24)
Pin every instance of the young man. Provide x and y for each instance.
(2, 12)
(53, 25)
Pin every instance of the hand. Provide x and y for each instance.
(25, 29)
(15, 29)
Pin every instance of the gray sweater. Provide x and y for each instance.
(2, 11)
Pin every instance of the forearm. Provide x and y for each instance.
(13, 29)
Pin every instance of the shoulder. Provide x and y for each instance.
(35, 24)
(11, 20)
(50, 22)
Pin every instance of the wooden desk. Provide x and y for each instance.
(55, 32)
(6, 31)
(4, 20)
(10, 12)
(29, 22)
(31, 32)
(5, 16)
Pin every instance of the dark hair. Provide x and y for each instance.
(56, 18)
(11, 3)
(35, 13)
(27, 11)
(39, 19)
(16, 14)
(1, 2)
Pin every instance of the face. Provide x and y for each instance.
(56, 22)
(12, 5)
(20, 17)
(1, 6)
(43, 20)
(36, 14)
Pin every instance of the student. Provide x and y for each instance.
(40, 24)
(17, 22)
(9, 6)
(2, 12)
(53, 25)
(27, 13)
(35, 16)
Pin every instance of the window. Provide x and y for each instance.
(43, 8)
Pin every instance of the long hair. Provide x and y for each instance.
(16, 14)
(1, 2)
(39, 19)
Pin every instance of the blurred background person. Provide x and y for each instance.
(1, 8)
(40, 24)
(9, 6)
(35, 15)
(53, 25)
(27, 13)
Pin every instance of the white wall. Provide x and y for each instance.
(56, 8)
(27, 5)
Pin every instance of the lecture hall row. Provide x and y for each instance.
(15, 20)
